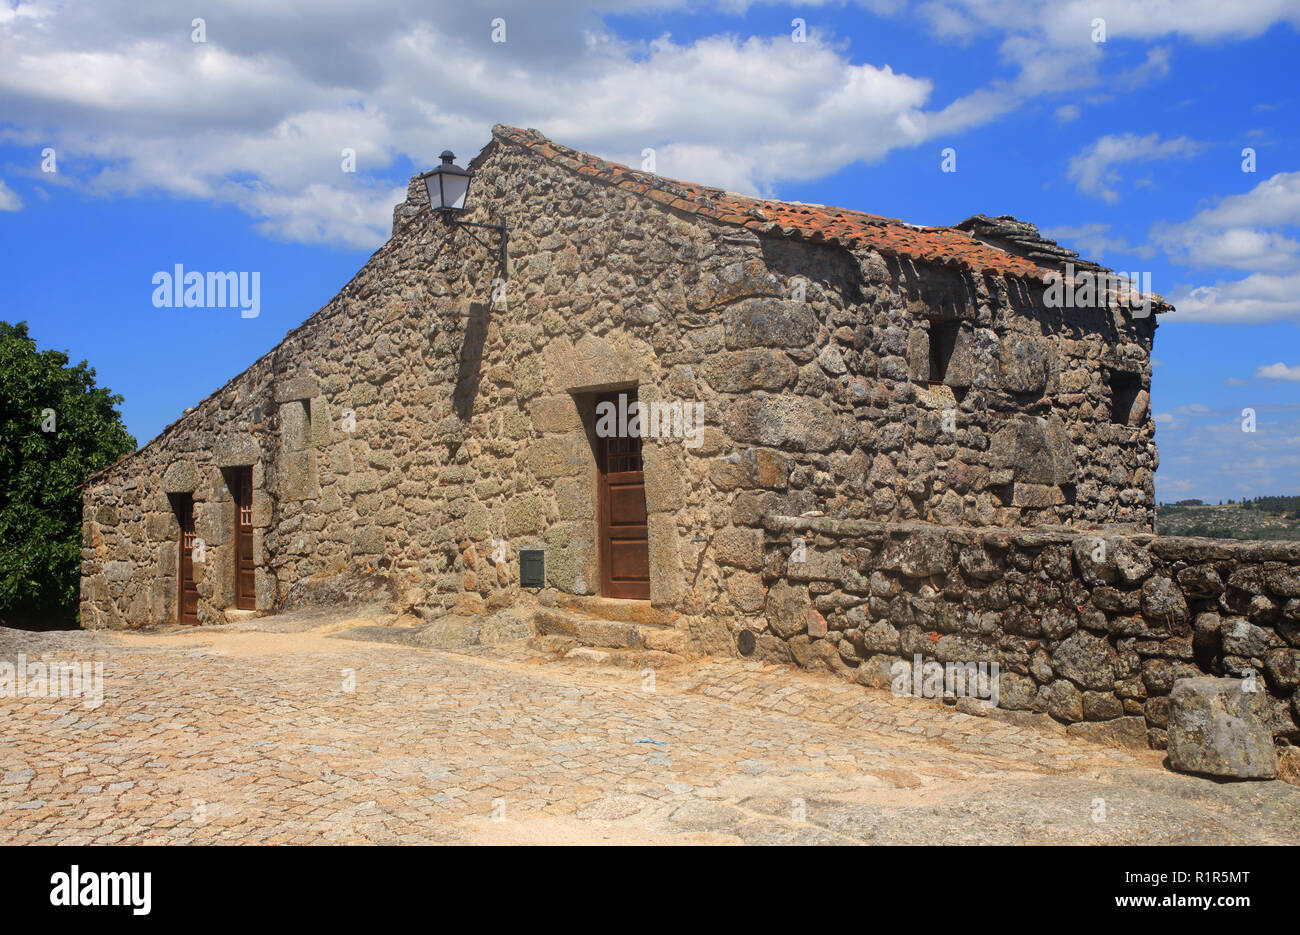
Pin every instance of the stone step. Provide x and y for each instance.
(610, 634)
(624, 658)
(610, 608)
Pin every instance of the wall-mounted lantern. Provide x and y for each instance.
(448, 188)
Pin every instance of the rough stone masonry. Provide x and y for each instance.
(1091, 628)
(435, 419)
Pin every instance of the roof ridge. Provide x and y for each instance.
(963, 245)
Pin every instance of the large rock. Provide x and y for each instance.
(768, 323)
(798, 423)
(1088, 661)
(918, 554)
(238, 449)
(1213, 731)
(1022, 446)
(1163, 603)
(1026, 364)
(787, 610)
(1111, 560)
(1035, 450)
(743, 371)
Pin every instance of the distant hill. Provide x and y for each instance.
(1261, 518)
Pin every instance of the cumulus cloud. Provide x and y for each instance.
(1278, 371)
(1257, 298)
(1094, 170)
(1242, 231)
(1252, 231)
(258, 115)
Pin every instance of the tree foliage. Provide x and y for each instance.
(56, 429)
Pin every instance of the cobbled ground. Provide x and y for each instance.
(283, 735)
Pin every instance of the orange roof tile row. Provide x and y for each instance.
(814, 223)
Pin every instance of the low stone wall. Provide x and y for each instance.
(1088, 627)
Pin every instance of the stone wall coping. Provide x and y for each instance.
(1190, 548)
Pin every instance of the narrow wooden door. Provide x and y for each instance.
(624, 547)
(245, 577)
(187, 609)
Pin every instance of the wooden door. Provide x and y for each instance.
(624, 547)
(187, 611)
(245, 578)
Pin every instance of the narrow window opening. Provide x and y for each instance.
(943, 338)
(1124, 388)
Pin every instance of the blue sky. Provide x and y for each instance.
(225, 154)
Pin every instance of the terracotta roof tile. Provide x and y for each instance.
(818, 223)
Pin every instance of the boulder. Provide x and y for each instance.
(1025, 364)
(1213, 731)
(1163, 603)
(1088, 661)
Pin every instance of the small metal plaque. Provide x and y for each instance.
(532, 568)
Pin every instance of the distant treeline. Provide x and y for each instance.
(1272, 504)
(1276, 505)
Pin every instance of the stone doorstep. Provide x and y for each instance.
(236, 616)
(611, 636)
(624, 658)
(610, 608)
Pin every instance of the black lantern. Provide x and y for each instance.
(447, 185)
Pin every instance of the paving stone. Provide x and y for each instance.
(268, 749)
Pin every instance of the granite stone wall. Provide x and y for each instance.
(1087, 627)
(439, 409)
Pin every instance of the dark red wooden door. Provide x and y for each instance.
(188, 598)
(624, 547)
(245, 598)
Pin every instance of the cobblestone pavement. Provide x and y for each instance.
(253, 736)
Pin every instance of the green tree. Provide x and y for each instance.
(56, 429)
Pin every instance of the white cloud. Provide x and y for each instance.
(1261, 297)
(1093, 170)
(9, 200)
(1247, 231)
(1278, 371)
(1234, 381)
(257, 116)
(1241, 231)
(1068, 23)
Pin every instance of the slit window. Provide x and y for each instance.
(943, 338)
(1124, 388)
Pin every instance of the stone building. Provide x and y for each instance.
(872, 443)
(438, 416)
